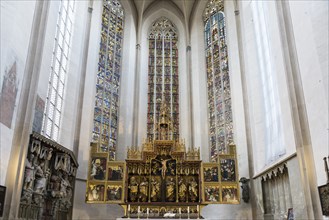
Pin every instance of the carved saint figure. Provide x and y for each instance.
(193, 190)
(40, 178)
(27, 196)
(65, 186)
(133, 186)
(155, 189)
(182, 190)
(170, 190)
(163, 133)
(143, 190)
(29, 172)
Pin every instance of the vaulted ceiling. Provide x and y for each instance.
(185, 6)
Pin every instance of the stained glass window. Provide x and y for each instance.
(106, 112)
(218, 79)
(163, 76)
(62, 45)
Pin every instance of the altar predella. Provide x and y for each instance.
(161, 178)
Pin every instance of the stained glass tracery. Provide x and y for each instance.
(106, 109)
(163, 83)
(218, 80)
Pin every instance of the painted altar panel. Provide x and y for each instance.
(105, 179)
(219, 179)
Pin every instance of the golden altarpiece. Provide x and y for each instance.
(162, 179)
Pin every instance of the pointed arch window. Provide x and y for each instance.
(163, 76)
(106, 111)
(218, 79)
(59, 68)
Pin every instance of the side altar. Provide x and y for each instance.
(162, 178)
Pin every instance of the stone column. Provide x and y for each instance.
(83, 73)
(190, 94)
(136, 96)
(246, 106)
(24, 121)
(137, 81)
(302, 134)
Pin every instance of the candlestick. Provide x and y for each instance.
(198, 211)
(188, 212)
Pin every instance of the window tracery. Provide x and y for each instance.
(163, 86)
(106, 111)
(218, 80)
(59, 69)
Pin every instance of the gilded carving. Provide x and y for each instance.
(163, 178)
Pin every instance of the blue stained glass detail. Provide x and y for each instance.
(107, 84)
(218, 80)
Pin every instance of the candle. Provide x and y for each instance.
(188, 209)
(129, 208)
(198, 211)
(139, 209)
(147, 211)
(180, 210)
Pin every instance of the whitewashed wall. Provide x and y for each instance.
(258, 114)
(310, 22)
(16, 24)
(310, 29)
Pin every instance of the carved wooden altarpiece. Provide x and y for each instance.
(49, 178)
(162, 179)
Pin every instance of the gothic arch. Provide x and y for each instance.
(150, 16)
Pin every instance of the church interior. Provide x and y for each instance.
(152, 109)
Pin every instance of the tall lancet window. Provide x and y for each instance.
(106, 110)
(163, 77)
(59, 70)
(218, 79)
